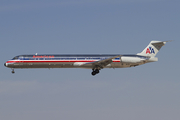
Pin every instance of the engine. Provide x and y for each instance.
(131, 59)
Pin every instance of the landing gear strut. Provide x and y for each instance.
(13, 71)
(95, 71)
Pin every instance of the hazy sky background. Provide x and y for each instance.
(147, 92)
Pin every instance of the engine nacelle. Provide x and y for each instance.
(131, 59)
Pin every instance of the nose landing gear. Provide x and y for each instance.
(95, 71)
(13, 71)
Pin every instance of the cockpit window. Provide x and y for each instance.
(15, 58)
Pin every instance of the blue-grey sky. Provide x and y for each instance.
(147, 92)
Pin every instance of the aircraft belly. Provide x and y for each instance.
(43, 65)
(114, 65)
(122, 65)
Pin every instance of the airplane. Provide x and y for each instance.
(96, 62)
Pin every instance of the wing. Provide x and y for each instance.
(101, 63)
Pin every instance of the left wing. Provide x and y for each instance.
(101, 63)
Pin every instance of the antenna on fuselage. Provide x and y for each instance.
(36, 53)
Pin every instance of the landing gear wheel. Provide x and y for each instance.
(13, 71)
(94, 72)
(97, 71)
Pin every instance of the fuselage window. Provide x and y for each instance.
(72, 58)
(80, 58)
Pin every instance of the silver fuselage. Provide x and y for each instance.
(69, 61)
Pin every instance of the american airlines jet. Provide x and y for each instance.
(96, 62)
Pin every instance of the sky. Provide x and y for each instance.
(147, 92)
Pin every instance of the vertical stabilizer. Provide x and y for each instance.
(152, 49)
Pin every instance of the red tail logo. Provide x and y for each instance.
(150, 50)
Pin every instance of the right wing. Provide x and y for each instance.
(101, 63)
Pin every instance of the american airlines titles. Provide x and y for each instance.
(45, 56)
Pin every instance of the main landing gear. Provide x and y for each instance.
(95, 71)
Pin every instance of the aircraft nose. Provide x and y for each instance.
(5, 64)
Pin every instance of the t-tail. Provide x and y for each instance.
(152, 49)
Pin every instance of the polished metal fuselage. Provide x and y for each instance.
(65, 61)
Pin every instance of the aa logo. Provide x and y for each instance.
(150, 50)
